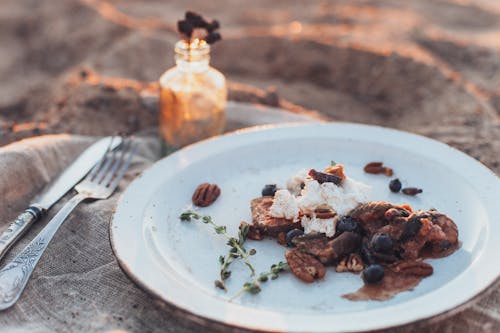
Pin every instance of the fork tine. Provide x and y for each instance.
(96, 168)
(117, 162)
(110, 157)
(124, 167)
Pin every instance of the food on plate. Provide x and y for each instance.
(378, 168)
(305, 266)
(269, 190)
(328, 219)
(316, 207)
(205, 194)
(395, 185)
(411, 190)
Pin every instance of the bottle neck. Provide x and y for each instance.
(193, 56)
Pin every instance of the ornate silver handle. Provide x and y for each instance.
(15, 276)
(17, 228)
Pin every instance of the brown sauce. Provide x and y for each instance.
(391, 284)
(394, 283)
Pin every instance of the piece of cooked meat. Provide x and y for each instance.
(260, 208)
(348, 242)
(436, 232)
(327, 250)
(264, 223)
(448, 227)
(371, 216)
(412, 232)
(317, 245)
(304, 266)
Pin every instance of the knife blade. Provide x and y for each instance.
(70, 176)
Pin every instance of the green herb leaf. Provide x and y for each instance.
(226, 275)
(250, 267)
(220, 229)
(252, 287)
(273, 273)
(236, 248)
(242, 235)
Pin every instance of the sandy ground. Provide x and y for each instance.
(427, 66)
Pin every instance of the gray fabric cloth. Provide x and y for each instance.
(78, 285)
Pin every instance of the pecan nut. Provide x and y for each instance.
(413, 267)
(352, 263)
(378, 167)
(411, 190)
(324, 212)
(205, 194)
(388, 171)
(342, 266)
(304, 266)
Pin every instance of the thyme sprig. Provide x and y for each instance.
(254, 287)
(236, 246)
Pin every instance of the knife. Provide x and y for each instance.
(72, 175)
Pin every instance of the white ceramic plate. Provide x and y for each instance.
(178, 261)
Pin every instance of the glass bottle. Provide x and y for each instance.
(192, 96)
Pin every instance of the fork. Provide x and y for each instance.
(99, 184)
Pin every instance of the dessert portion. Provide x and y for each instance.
(328, 219)
(313, 201)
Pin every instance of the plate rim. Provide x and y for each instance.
(256, 129)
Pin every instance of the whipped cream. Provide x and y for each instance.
(325, 226)
(294, 184)
(342, 199)
(284, 205)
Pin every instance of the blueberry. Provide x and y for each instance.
(347, 223)
(373, 274)
(411, 228)
(395, 185)
(367, 255)
(291, 235)
(269, 190)
(382, 243)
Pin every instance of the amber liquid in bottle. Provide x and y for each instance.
(192, 97)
